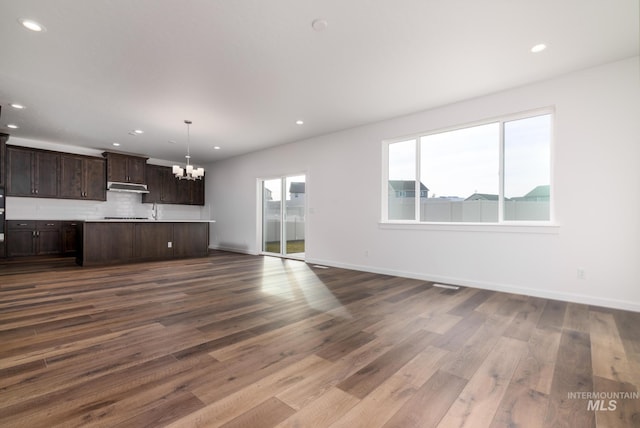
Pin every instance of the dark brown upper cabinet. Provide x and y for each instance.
(125, 168)
(83, 177)
(3, 155)
(191, 192)
(197, 192)
(165, 188)
(162, 185)
(32, 172)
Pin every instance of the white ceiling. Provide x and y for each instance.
(245, 70)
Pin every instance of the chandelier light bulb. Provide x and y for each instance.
(188, 172)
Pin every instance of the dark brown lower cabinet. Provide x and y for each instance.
(105, 243)
(20, 238)
(49, 238)
(190, 239)
(33, 238)
(70, 238)
(153, 240)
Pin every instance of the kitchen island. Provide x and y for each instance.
(109, 242)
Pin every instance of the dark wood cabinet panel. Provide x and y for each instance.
(19, 172)
(165, 188)
(154, 185)
(190, 239)
(82, 177)
(20, 243)
(105, 243)
(46, 169)
(32, 172)
(69, 238)
(153, 240)
(162, 185)
(21, 238)
(71, 177)
(183, 192)
(197, 192)
(48, 238)
(191, 192)
(3, 156)
(125, 168)
(96, 179)
(33, 238)
(117, 168)
(137, 169)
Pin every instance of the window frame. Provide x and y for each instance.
(512, 224)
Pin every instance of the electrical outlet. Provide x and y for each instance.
(169, 244)
(581, 274)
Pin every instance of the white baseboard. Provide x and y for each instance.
(506, 288)
(233, 250)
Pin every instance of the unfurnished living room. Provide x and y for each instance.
(304, 213)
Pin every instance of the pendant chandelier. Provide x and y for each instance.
(188, 172)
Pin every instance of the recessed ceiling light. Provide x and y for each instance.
(299, 122)
(538, 48)
(138, 131)
(12, 126)
(17, 106)
(116, 144)
(319, 24)
(216, 147)
(32, 25)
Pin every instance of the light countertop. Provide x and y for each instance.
(135, 220)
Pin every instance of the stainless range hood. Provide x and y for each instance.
(114, 186)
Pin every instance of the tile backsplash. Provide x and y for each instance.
(118, 204)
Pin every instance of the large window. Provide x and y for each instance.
(488, 173)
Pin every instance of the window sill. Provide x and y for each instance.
(521, 227)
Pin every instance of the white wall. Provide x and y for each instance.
(116, 205)
(596, 156)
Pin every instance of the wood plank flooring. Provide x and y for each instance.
(241, 341)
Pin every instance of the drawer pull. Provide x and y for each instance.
(22, 224)
(51, 224)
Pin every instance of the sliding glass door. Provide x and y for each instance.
(283, 216)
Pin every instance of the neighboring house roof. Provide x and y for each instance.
(539, 193)
(297, 187)
(482, 197)
(405, 185)
(542, 191)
